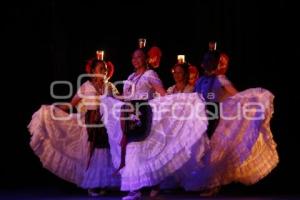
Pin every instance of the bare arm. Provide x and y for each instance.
(156, 83)
(112, 90)
(159, 89)
(230, 89)
(227, 85)
(75, 100)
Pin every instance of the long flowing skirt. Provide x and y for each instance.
(242, 148)
(61, 142)
(179, 121)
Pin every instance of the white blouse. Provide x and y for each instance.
(140, 87)
(90, 97)
(187, 89)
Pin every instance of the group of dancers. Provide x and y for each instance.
(199, 134)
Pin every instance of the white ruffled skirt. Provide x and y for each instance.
(241, 149)
(179, 122)
(63, 148)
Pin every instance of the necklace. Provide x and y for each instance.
(98, 87)
(135, 82)
(179, 90)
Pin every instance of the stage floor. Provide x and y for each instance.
(61, 194)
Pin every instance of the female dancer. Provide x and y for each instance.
(242, 145)
(181, 77)
(155, 134)
(75, 146)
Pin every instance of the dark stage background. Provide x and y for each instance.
(50, 40)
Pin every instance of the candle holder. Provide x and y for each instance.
(180, 59)
(212, 46)
(142, 43)
(100, 54)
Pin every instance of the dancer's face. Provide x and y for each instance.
(223, 64)
(224, 59)
(138, 59)
(101, 71)
(178, 74)
(193, 78)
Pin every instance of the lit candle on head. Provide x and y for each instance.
(100, 55)
(181, 59)
(142, 43)
(212, 45)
